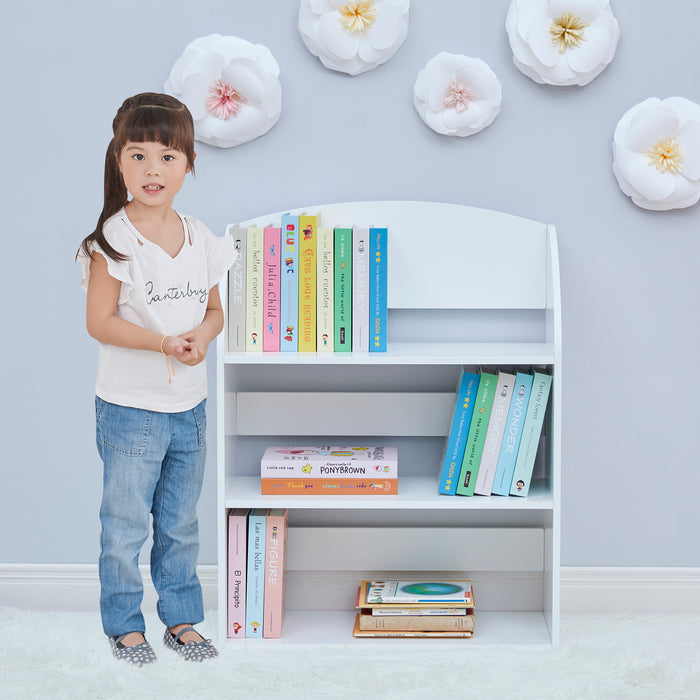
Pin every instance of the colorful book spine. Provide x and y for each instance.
(532, 429)
(254, 283)
(275, 572)
(332, 486)
(360, 289)
(455, 443)
(512, 434)
(255, 583)
(237, 565)
(343, 290)
(236, 292)
(307, 283)
(378, 310)
(324, 290)
(271, 289)
(477, 434)
(289, 284)
(494, 433)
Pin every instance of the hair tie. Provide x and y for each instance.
(168, 361)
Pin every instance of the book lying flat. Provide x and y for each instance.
(419, 623)
(431, 593)
(357, 632)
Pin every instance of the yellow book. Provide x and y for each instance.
(307, 283)
(324, 289)
(254, 281)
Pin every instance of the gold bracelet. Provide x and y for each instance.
(168, 361)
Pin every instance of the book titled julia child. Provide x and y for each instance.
(237, 565)
(255, 580)
(324, 289)
(289, 284)
(307, 283)
(271, 289)
(378, 310)
(333, 461)
(254, 283)
(236, 292)
(275, 572)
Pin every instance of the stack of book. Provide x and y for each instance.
(495, 432)
(257, 554)
(427, 608)
(329, 471)
(302, 287)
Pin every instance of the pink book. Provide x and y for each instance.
(237, 560)
(275, 569)
(271, 289)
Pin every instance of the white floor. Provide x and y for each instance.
(65, 655)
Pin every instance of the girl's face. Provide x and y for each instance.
(153, 173)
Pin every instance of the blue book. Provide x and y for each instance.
(512, 434)
(378, 311)
(453, 451)
(289, 287)
(532, 429)
(255, 581)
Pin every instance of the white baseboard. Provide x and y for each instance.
(584, 590)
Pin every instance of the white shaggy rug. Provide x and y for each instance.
(65, 655)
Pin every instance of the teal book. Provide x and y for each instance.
(255, 582)
(532, 429)
(379, 285)
(453, 450)
(477, 433)
(512, 434)
(289, 284)
(342, 312)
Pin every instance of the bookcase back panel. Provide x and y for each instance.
(448, 256)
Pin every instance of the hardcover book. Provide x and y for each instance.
(271, 289)
(477, 434)
(494, 433)
(275, 572)
(378, 310)
(409, 593)
(236, 292)
(329, 486)
(237, 564)
(289, 284)
(453, 449)
(324, 289)
(324, 462)
(357, 632)
(307, 283)
(532, 429)
(343, 290)
(255, 582)
(360, 289)
(425, 623)
(512, 434)
(254, 282)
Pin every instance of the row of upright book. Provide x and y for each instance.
(495, 431)
(257, 555)
(302, 287)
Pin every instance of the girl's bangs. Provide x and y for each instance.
(159, 124)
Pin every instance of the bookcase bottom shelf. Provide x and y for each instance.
(492, 629)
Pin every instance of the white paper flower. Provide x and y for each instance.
(231, 87)
(656, 153)
(562, 42)
(353, 36)
(457, 95)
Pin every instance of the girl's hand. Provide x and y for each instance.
(195, 347)
(177, 347)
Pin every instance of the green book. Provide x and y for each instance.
(342, 288)
(477, 434)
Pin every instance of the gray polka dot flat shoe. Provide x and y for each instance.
(191, 651)
(138, 655)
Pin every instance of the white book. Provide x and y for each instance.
(324, 289)
(236, 292)
(360, 289)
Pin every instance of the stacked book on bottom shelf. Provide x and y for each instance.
(425, 608)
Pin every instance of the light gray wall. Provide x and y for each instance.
(630, 287)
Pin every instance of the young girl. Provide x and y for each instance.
(153, 304)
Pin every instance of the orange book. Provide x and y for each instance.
(330, 487)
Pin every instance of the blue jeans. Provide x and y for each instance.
(153, 464)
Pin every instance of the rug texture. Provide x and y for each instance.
(65, 655)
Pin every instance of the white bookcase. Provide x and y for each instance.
(467, 287)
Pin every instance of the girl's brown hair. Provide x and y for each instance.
(148, 116)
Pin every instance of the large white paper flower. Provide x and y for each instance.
(353, 36)
(231, 87)
(457, 95)
(562, 42)
(656, 153)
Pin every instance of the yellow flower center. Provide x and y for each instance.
(567, 31)
(357, 15)
(666, 156)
